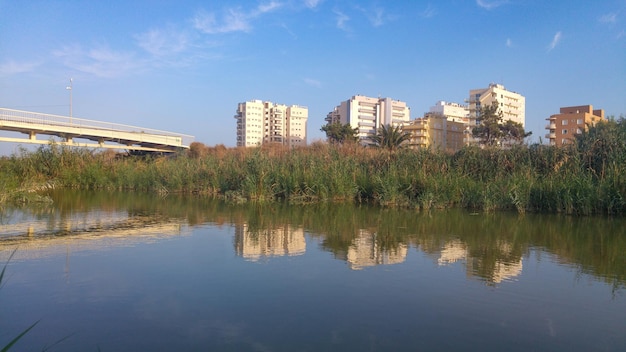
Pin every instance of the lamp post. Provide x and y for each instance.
(70, 88)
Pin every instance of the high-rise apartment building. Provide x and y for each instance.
(511, 104)
(263, 122)
(366, 114)
(563, 127)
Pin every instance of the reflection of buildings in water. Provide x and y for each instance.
(506, 271)
(452, 252)
(456, 250)
(280, 241)
(97, 230)
(365, 251)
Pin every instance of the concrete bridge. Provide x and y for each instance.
(105, 134)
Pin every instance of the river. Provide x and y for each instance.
(104, 271)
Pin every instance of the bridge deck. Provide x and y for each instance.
(104, 133)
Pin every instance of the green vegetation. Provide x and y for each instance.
(338, 133)
(588, 177)
(492, 131)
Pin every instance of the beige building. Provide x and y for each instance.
(366, 114)
(511, 104)
(437, 132)
(263, 122)
(563, 127)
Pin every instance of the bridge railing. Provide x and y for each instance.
(65, 121)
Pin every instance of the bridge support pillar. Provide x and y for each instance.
(32, 136)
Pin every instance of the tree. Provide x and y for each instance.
(389, 137)
(488, 125)
(338, 133)
(602, 147)
(491, 130)
(513, 132)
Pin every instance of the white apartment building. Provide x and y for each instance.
(512, 105)
(366, 114)
(452, 111)
(262, 122)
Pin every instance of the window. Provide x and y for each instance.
(563, 122)
(579, 121)
(564, 132)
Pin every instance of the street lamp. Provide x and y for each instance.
(70, 89)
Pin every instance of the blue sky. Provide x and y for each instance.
(184, 65)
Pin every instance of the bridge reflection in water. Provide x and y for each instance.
(105, 134)
(85, 231)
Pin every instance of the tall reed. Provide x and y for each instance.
(537, 178)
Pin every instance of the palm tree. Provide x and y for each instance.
(389, 137)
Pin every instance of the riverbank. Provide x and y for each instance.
(586, 178)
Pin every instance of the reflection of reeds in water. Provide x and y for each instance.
(485, 243)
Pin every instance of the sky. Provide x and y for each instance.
(183, 66)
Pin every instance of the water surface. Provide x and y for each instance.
(130, 272)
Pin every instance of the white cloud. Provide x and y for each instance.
(312, 3)
(269, 7)
(161, 42)
(608, 18)
(376, 15)
(486, 4)
(234, 21)
(429, 12)
(378, 18)
(101, 61)
(12, 67)
(313, 82)
(509, 43)
(555, 41)
(341, 20)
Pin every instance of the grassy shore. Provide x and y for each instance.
(588, 177)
